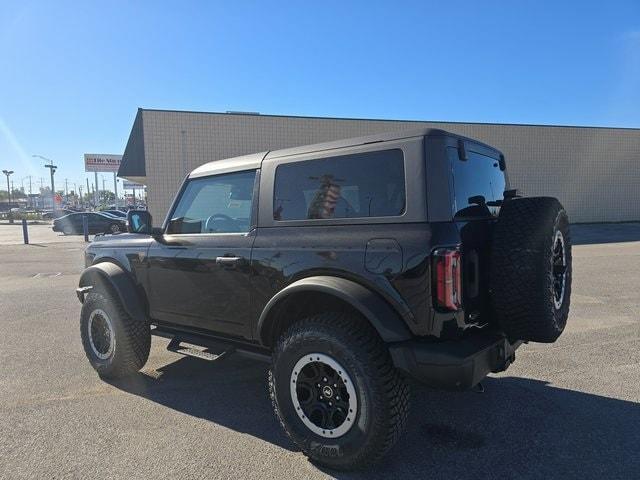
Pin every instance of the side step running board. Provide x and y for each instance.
(175, 346)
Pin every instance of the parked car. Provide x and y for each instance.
(98, 223)
(116, 213)
(51, 214)
(350, 266)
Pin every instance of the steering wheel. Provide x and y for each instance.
(208, 227)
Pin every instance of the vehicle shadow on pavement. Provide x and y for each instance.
(517, 428)
(232, 393)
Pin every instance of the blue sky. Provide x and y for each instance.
(72, 74)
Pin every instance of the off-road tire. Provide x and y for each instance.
(382, 394)
(521, 283)
(133, 337)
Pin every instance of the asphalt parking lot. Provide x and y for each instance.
(566, 410)
(11, 234)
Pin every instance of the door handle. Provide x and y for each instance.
(227, 261)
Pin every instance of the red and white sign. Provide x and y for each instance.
(97, 162)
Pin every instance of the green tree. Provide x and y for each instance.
(17, 193)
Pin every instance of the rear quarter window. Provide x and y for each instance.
(362, 185)
(478, 176)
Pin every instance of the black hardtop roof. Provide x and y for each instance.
(375, 138)
(254, 160)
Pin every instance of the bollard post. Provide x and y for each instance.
(85, 227)
(25, 231)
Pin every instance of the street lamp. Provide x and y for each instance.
(8, 173)
(52, 170)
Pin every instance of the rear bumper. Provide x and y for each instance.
(454, 364)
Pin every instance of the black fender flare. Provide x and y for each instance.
(114, 277)
(387, 322)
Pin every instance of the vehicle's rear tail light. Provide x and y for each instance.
(447, 266)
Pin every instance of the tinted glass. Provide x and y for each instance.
(218, 204)
(351, 186)
(479, 176)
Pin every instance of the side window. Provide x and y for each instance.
(478, 176)
(368, 184)
(217, 204)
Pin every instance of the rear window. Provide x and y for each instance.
(350, 186)
(478, 176)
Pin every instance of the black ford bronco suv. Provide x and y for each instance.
(352, 266)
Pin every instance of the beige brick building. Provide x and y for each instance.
(595, 172)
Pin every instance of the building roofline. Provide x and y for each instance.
(311, 117)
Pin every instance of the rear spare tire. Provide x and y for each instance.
(531, 269)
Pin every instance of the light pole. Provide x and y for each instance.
(8, 173)
(52, 170)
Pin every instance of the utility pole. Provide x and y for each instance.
(95, 190)
(8, 173)
(88, 189)
(52, 170)
(115, 188)
(40, 203)
(30, 198)
(66, 190)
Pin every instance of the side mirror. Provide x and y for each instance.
(139, 221)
